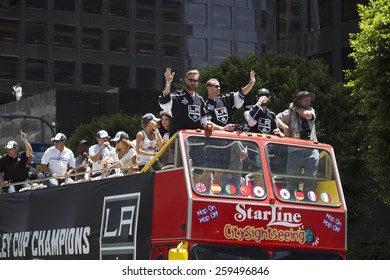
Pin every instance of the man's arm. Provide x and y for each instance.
(252, 79)
(168, 80)
(29, 150)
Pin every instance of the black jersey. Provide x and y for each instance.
(220, 110)
(266, 120)
(187, 110)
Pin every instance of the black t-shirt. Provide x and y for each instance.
(14, 169)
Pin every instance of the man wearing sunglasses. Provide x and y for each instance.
(13, 166)
(220, 108)
(187, 106)
(58, 162)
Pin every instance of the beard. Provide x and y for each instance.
(264, 103)
(191, 87)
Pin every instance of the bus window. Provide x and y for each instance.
(302, 174)
(225, 167)
(216, 252)
(304, 255)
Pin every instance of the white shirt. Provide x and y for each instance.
(127, 158)
(107, 152)
(58, 161)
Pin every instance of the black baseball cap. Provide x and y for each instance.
(302, 94)
(263, 92)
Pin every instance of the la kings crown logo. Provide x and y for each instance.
(118, 234)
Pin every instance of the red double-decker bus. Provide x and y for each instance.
(238, 195)
(218, 195)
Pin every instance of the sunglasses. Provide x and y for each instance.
(58, 141)
(192, 80)
(216, 86)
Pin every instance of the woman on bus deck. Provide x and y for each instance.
(126, 153)
(148, 140)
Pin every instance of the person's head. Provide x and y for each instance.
(59, 141)
(304, 99)
(12, 149)
(122, 141)
(192, 81)
(213, 88)
(264, 96)
(166, 119)
(102, 136)
(149, 121)
(83, 146)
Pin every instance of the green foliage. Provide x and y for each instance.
(370, 83)
(112, 124)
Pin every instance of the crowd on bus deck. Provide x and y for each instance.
(182, 109)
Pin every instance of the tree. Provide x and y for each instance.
(370, 83)
(112, 124)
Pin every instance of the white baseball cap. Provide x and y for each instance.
(120, 135)
(59, 137)
(11, 144)
(102, 134)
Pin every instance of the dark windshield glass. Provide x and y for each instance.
(302, 174)
(215, 252)
(225, 167)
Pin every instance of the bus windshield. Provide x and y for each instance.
(225, 167)
(302, 174)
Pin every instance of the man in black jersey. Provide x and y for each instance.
(259, 118)
(220, 107)
(187, 106)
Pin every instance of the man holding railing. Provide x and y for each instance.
(13, 166)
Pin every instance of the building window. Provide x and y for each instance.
(36, 33)
(263, 25)
(245, 19)
(146, 78)
(119, 41)
(171, 46)
(64, 36)
(145, 43)
(64, 72)
(41, 4)
(221, 49)
(145, 9)
(118, 8)
(92, 74)
(119, 76)
(325, 9)
(9, 68)
(62, 5)
(222, 16)
(243, 49)
(36, 70)
(288, 17)
(196, 14)
(92, 6)
(171, 11)
(197, 48)
(92, 38)
(349, 8)
(8, 31)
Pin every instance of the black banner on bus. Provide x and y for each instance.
(108, 219)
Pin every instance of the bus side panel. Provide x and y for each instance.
(269, 226)
(170, 207)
